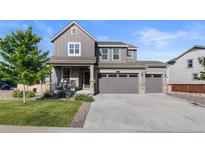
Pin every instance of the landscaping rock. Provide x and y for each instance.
(81, 115)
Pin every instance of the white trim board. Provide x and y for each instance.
(69, 54)
(67, 27)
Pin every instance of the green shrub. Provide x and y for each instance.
(62, 94)
(47, 94)
(84, 97)
(19, 94)
(15, 93)
(30, 94)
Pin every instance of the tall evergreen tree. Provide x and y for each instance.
(23, 61)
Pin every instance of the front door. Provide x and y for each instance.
(86, 80)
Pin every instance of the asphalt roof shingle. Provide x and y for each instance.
(109, 43)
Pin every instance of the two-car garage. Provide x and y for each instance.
(129, 83)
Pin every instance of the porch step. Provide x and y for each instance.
(84, 92)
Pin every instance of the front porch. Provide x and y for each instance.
(75, 77)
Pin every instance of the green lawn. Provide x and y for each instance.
(58, 113)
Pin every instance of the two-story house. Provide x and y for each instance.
(183, 71)
(101, 67)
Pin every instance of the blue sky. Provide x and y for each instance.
(156, 40)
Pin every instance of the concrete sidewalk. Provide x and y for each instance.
(34, 129)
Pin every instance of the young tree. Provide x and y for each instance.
(23, 62)
(201, 75)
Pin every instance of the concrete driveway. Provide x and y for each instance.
(144, 113)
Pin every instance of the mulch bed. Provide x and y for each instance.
(81, 115)
(198, 100)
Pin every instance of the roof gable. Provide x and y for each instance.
(194, 47)
(69, 26)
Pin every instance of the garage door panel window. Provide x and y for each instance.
(157, 75)
(123, 75)
(148, 75)
(101, 75)
(133, 75)
(112, 75)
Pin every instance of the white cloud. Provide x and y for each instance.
(163, 38)
(45, 28)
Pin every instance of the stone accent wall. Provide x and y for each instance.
(165, 88)
(141, 88)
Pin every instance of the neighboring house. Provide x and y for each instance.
(102, 67)
(183, 70)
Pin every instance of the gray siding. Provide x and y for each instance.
(123, 56)
(87, 44)
(134, 57)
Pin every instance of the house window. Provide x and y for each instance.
(104, 54)
(74, 49)
(66, 74)
(74, 30)
(189, 63)
(194, 76)
(116, 54)
(130, 54)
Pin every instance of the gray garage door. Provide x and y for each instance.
(118, 83)
(153, 83)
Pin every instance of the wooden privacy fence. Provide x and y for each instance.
(192, 88)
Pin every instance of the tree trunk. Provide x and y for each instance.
(24, 94)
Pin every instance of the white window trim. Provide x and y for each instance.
(132, 54)
(75, 29)
(107, 54)
(73, 54)
(187, 64)
(119, 55)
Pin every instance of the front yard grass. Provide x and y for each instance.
(55, 113)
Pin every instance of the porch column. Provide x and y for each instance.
(92, 78)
